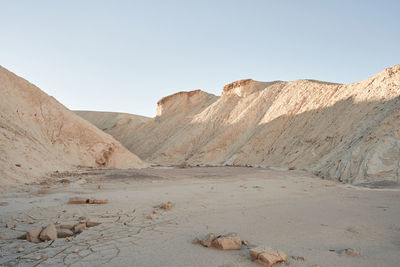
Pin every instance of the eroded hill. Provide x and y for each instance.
(345, 132)
(39, 135)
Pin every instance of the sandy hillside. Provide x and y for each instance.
(346, 132)
(39, 135)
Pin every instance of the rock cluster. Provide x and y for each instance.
(52, 231)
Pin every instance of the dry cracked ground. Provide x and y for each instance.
(308, 218)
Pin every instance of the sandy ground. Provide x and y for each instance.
(289, 210)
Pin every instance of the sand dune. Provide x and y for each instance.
(39, 135)
(347, 132)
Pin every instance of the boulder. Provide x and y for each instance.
(33, 236)
(48, 233)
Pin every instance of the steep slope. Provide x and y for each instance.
(39, 135)
(346, 132)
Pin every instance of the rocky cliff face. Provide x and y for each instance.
(39, 135)
(344, 132)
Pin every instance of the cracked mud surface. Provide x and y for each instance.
(289, 210)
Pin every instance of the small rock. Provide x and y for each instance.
(33, 236)
(92, 224)
(298, 258)
(167, 206)
(11, 224)
(155, 211)
(63, 233)
(207, 241)
(31, 222)
(78, 228)
(38, 258)
(348, 251)
(20, 250)
(68, 239)
(3, 203)
(48, 233)
(75, 251)
(65, 181)
(151, 217)
(267, 256)
(77, 200)
(22, 237)
(230, 241)
(196, 241)
(100, 201)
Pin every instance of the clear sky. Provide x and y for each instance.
(125, 55)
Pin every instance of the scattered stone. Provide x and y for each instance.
(207, 241)
(230, 241)
(77, 200)
(167, 206)
(78, 228)
(267, 256)
(151, 217)
(196, 241)
(298, 258)
(48, 233)
(100, 201)
(20, 250)
(348, 251)
(63, 233)
(11, 224)
(33, 236)
(92, 224)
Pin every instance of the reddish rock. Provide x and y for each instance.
(77, 200)
(230, 241)
(267, 256)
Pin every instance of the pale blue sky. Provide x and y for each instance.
(125, 55)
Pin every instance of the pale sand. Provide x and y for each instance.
(288, 210)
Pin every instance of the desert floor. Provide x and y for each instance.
(288, 210)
